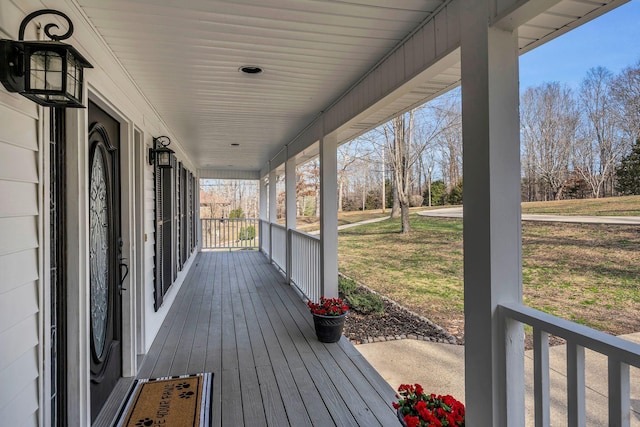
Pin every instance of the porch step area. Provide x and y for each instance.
(235, 316)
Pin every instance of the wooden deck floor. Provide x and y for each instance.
(235, 317)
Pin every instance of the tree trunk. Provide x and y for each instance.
(340, 187)
(395, 207)
(404, 208)
(384, 179)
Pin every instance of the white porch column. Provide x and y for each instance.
(329, 216)
(273, 206)
(264, 209)
(492, 224)
(264, 197)
(291, 208)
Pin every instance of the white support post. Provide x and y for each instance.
(541, 377)
(291, 207)
(273, 206)
(619, 393)
(492, 224)
(576, 398)
(329, 216)
(264, 209)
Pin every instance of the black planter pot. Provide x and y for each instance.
(401, 418)
(329, 328)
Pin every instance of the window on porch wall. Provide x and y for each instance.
(172, 227)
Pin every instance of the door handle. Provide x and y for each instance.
(126, 273)
(122, 265)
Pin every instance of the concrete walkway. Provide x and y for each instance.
(355, 224)
(440, 369)
(621, 220)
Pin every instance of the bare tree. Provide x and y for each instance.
(348, 154)
(601, 145)
(549, 120)
(308, 187)
(398, 136)
(626, 92)
(448, 114)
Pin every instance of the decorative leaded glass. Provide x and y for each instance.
(99, 251)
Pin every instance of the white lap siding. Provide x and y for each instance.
(20, 258)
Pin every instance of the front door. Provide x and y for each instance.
(104, 256)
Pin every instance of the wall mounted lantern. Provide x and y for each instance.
(160, 153)
(49, 73)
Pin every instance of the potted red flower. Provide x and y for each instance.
(417, 409)
(328, 318)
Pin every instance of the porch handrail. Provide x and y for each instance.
(229, 233)
(305, 264)
(620, 354)
(279, 246)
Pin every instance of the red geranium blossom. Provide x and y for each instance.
(328, 307)
(418, 409)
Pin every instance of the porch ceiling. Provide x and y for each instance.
(185, 55)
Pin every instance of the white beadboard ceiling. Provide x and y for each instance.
(184, 55)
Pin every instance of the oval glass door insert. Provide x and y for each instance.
(99, 251)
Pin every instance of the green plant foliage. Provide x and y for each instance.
(236, 213)
(455, 195)
(360, 300)
(388, 186)
(247, 233)
(365, 302)
(438, 193)
(346, 286)
(628, 173)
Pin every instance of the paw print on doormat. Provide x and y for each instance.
(186, 394)
(182, 386)
(145, 422)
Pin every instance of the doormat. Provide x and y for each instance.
(170, 401)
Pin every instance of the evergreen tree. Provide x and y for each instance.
(628, 173)
(438, 193)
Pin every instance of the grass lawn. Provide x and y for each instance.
(311, 223)
(611, 206)
(586, 273)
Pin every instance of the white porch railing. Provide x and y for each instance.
(229, 233)
(279, 246)
(305, 264)
(620, 355)
(265, 237)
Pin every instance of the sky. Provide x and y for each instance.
(611, 41)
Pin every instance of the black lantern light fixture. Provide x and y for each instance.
(160, 154)
(49, 73)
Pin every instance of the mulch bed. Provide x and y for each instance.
(396, 323)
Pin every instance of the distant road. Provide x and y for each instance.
(622, 220)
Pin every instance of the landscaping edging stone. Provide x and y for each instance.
(444, 335)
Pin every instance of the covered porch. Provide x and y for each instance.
(236, 317)
(246, 90)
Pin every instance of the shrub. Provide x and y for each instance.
(360, 300)
(346, 286)
(365, 302)
(236, 213)
(247, 233)
(455, 195)
(438, 193)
